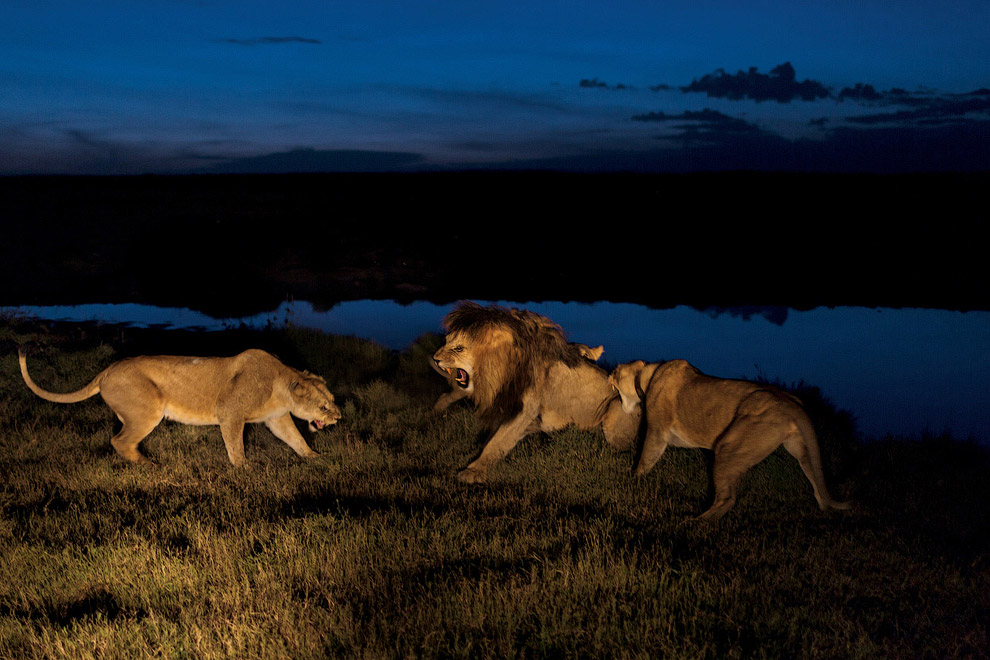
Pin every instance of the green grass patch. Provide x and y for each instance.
(374, 550)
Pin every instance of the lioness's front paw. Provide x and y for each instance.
(472, 476)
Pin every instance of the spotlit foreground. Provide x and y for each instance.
(374, 550)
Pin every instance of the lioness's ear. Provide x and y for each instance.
(641, 380)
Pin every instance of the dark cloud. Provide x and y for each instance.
(595, 83)
(703, 126)
(723, 143)
(860, 92)
(271, 40)
(315, 160)
(898, 96)
(779, 85)
(930, 110)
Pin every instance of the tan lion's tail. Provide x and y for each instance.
(68, 397)
(811, 463)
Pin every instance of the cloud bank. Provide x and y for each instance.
(780, 85)
(922, 130)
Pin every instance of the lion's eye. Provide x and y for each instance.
(458, 349)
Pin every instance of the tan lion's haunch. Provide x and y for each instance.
(253, 386)
(523, 377)
(741, 422)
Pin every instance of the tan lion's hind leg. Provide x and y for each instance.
(746, 442)
(285, 430)
(140, 406)
(135, 430)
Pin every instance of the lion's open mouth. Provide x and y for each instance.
(460, 376)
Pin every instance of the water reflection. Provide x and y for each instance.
(900, 371)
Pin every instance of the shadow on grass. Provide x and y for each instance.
(97, 602)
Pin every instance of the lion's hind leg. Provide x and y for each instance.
(133, 432)
(746, 442)
(140, 407)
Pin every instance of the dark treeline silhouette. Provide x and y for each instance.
(240, 244)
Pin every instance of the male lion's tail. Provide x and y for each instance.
(68, 397)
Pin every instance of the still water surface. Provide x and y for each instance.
(899, 371)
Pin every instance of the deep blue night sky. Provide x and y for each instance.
(165, 86)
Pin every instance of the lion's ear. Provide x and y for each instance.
(641, 381)
(594, 353)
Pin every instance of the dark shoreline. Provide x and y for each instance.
(233, 245)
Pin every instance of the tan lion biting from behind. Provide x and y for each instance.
(741, 422)
(523, 377)
(253, 386)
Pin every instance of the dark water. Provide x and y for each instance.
(899, 371)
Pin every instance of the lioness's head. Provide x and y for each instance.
(313, 402)
(625, 380)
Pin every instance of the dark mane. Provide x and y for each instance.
(539, 342)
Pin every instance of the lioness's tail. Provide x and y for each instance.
(811, 463)
(68, 397)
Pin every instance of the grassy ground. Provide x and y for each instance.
(373, 550)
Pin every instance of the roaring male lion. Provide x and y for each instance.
(457, 392)
(253, 386)
(741, 422)
(524, 376)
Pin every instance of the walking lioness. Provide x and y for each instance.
(253, 386)
(741, 422)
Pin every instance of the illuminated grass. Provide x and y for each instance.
(374, 550)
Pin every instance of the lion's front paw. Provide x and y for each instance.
(472, 476)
